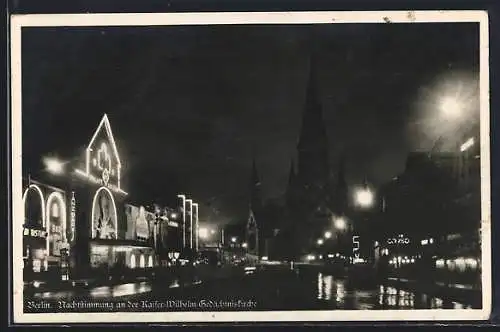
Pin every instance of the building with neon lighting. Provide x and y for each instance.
(86, 225)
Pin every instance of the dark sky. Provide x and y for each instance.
(190, 106)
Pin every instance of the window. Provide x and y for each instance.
(142, 261)
(132, 261)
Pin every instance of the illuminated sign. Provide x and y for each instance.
(173, 224)
(29, 209)
(355, 248)
(72, 216)
(34, 233)
(401, 239)
(56, 223)
(102, 162)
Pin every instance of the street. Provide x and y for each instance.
(266, 289)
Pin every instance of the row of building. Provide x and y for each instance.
(86, 223)
(431, 212)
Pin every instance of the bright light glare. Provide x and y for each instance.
(233, 239)
(244, 245)
(364, 198)
(54, 166)
(328, 235)
(340, 224)
(467, 145)
(320, 241)
(203, 233)
(451, 107)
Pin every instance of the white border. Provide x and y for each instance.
(46, 20)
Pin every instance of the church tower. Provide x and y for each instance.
(313, 142)
(309, 193)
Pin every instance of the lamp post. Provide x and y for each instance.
(183, 197)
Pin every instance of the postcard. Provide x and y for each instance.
(243, 167)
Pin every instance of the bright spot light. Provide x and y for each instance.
(310, 257)
(173, 215)
(328, 235)
(53, 165)
(364, 197)
(320, 241)
(467, 145)
(340, 224)
(234, 239)
(203, 233)
(451, 107)
(264, 258)
(244, 245)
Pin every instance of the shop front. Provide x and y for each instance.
(45, 243)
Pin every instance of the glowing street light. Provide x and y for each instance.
(364, 197)
(244, 245)
(340, 224)
(54, 166)
(451, 107)
(234, 239)
(328, 235)
(203, 233)
(320, 242)
(467, 144)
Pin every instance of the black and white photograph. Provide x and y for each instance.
(210, 167)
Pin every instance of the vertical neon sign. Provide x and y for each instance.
(355, 247)
(72, 216)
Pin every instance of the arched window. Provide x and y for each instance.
(142, 261)
(104, 215)
(132, 261)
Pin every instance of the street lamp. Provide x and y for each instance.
(54, 165)
(328, 235)
(364, 197)
(203, 233)
(244, 245)
(320, 242)
(340, 224)
(451, 106)
(234, 239)
(183, 197)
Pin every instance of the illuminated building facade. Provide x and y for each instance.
(46, 236)
(87, 226)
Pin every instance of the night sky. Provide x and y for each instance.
(191, 106)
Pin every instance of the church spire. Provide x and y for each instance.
(313, 142)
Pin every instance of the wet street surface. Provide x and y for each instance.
(258, 290)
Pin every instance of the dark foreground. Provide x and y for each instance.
(267, 289)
